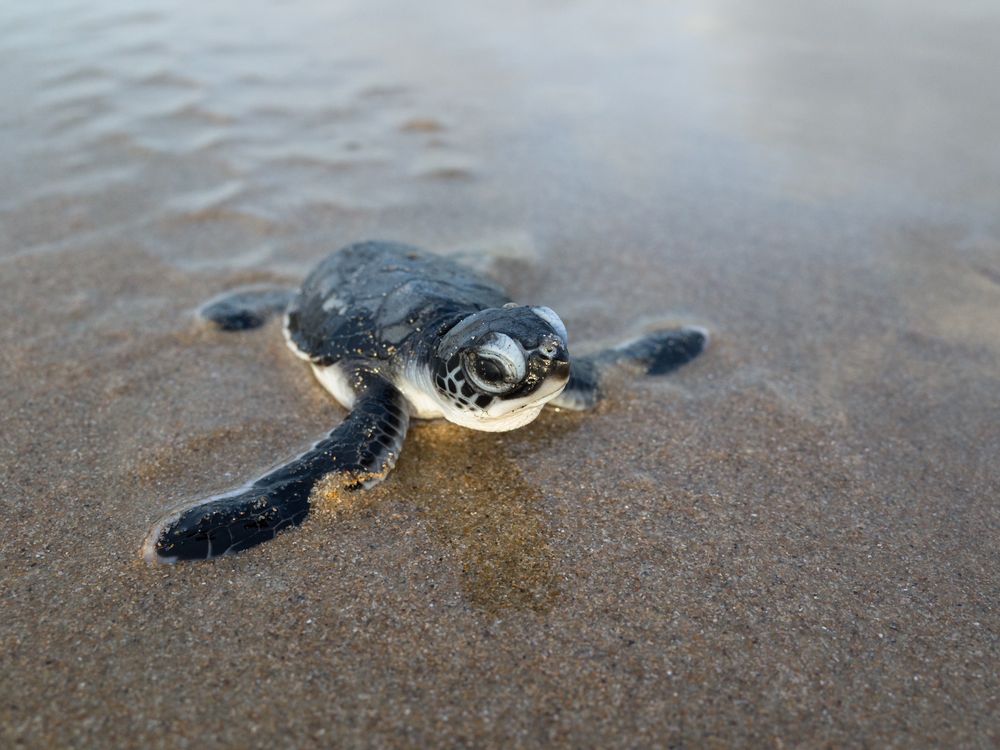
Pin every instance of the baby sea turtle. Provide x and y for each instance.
(396, 333)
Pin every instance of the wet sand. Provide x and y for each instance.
(791, 542)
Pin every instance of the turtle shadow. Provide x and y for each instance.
(480, 507)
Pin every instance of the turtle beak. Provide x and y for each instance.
(556, 359)
(560, 368)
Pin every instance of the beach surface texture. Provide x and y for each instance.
(791, 542)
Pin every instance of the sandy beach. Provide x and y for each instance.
(791, 542)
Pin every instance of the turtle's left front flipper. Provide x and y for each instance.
(359, 452)
(656, 353)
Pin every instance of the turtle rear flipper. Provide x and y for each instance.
(656, 353)
(245, 308)
(360, 451)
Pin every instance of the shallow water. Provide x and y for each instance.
(791, 541)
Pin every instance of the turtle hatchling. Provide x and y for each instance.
(396, 333)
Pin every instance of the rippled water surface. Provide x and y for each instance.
(789, 542)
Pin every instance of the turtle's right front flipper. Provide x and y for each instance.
(360, 451)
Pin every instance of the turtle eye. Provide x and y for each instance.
(490, 373)
(489, 370)
(497, 366)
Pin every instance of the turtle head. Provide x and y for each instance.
(496, 369)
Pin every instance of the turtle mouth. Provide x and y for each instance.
(505, 413)
(559, 369)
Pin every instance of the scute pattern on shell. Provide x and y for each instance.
(365, 301)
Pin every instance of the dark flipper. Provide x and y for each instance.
(361, 450)
(249, 307)
(656, 353)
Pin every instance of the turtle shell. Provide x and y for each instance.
(365, 300)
